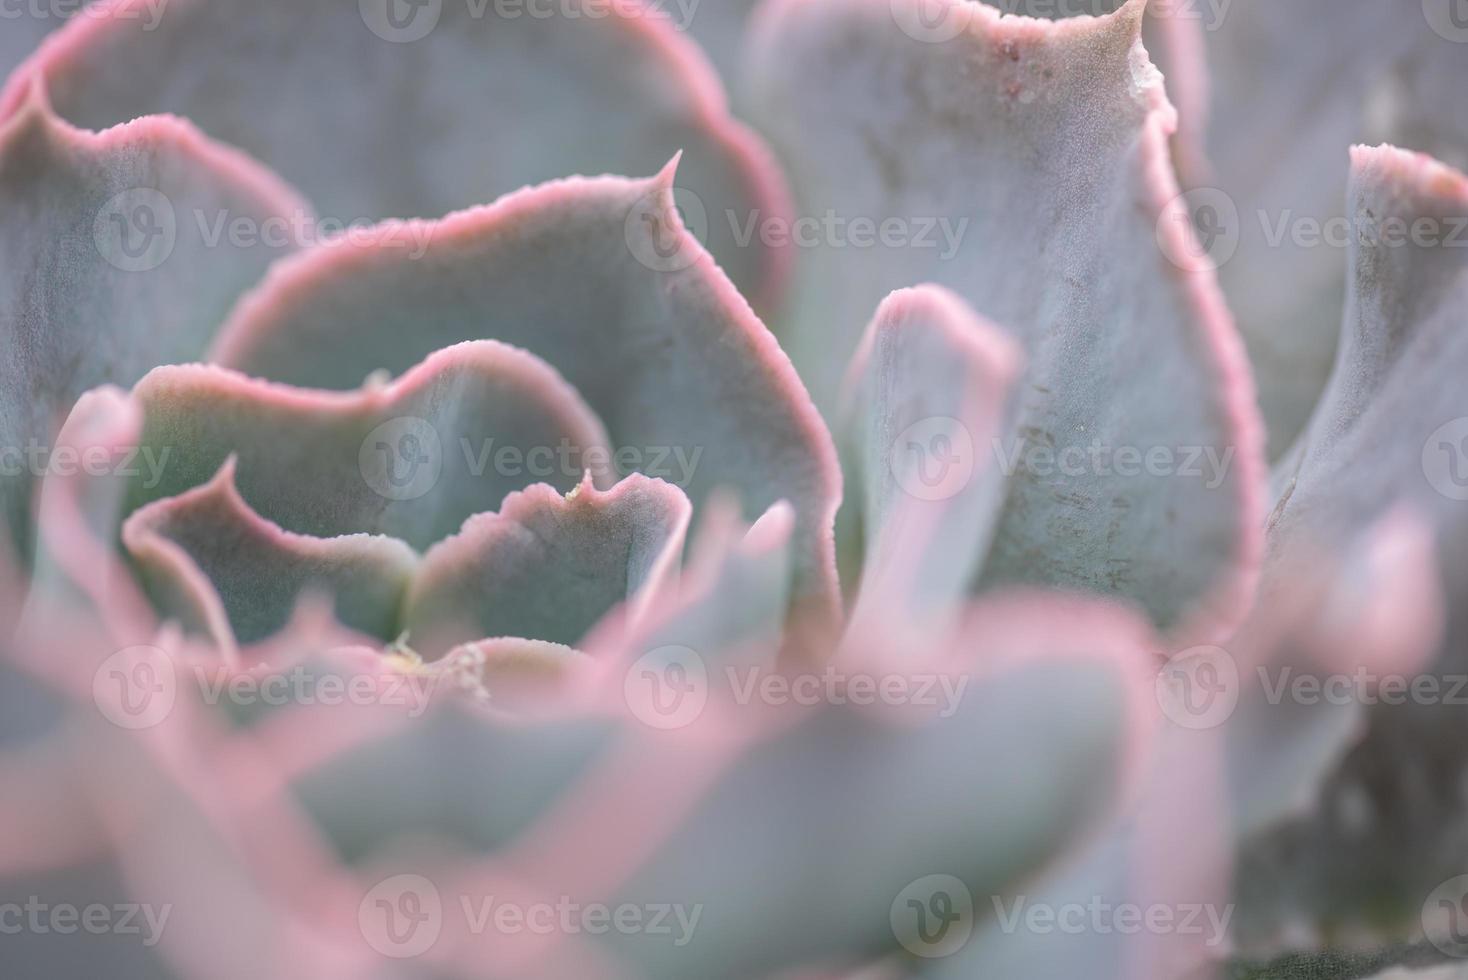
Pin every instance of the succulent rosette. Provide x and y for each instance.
(988, 504)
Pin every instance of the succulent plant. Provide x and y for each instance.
(476, 504)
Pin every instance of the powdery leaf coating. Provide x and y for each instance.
(1368, 444)
(929, 371)
(1224, 771)
(731, 600)
(720, 29)
(111, 265)
(1389, 430)
(690, 384)
(1034, 755)
(409, 118)
(25, 30)
(1050, 140)
(412, 459)
(1286, 87)
(548, 566)
(1379, 624)
(221, 567)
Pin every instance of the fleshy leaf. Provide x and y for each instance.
(928, 374)
(430, 794)
(77, 576)
(1390, 428)
(24, 30)
(1031, 755)
(1034, 753)
(1292, 85)
(1402, 326)
(222, 567)
(407, 116)
(519, 674)
(411, 459)
(720, 29)
(690, 384)
(548, 566)
(1233, 760)
(1039, 149)
(731, 600)
(112, 265)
